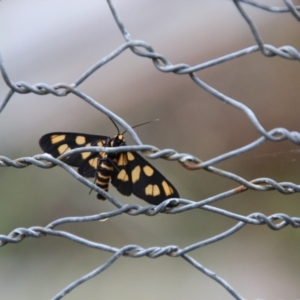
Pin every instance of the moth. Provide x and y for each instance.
(128, 171)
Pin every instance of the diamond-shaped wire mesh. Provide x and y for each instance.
(231, 116)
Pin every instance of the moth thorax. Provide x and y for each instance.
(117, 140)
(120, 137)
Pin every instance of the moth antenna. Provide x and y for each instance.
(115, 125)
(142, 124)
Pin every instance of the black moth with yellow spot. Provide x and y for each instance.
(129, 172)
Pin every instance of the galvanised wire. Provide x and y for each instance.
(291, 8)
(141, 48)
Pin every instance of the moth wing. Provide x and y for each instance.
(138, 176)
(57, 143)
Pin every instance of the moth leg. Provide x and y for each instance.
(113, 164)
(96, 175)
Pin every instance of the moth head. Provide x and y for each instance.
(117, 140)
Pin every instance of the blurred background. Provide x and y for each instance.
(56, 41)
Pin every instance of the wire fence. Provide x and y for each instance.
(140, 48)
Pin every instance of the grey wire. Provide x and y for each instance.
(273, 9)
(161, 63)
(136, 251)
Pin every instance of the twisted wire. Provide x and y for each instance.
(136, 251)
(141, 48)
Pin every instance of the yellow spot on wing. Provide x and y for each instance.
(135, 174)
(63, 148)
(94, 162)
(57, 138)
(130, 156)
(85, 155)
(168, 190)
(80, 140)
(152, 190)
(148, 170)
(123, 175)
(100, 144)
(123, 161)
(103, 154)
